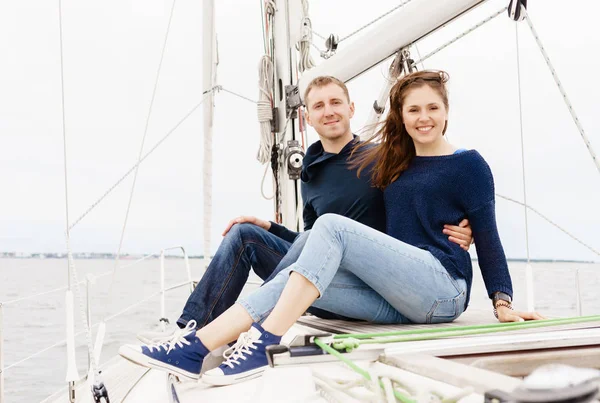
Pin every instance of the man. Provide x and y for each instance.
(328, 185)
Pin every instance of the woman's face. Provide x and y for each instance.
(424, 115)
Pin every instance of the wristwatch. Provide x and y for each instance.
(501, 299)
(500, 296)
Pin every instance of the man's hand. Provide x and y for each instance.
(506, 314)
(461, 234)
(249, 219)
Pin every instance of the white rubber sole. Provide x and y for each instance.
(139, 358)
(224, 380)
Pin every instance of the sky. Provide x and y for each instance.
(111, 55)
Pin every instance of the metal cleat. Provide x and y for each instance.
(301, 346)
(99, 392)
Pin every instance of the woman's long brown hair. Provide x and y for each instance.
(394, 149)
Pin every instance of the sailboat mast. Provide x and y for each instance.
(208, 82)
(285, 25)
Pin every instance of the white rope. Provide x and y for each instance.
(264, 110)
(388, 390)
(305, 61)
(262, 185)
(329, 393)
(373, 385)
(340, 390)
(392, 379)
(562, 90)
(270, 6)
(550, 222)
(337, 388)
(522, 141)
(468, 31)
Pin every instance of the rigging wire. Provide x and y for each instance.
(465, 33)
(161, 141)
(71, 270)
(562, 90)
(419, 54)
(221, 88)
(522, 140)
(375, 20)
(548, 220)
(70, 253)
(140, 154)
(64, 129)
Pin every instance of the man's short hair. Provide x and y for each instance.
(322, 81)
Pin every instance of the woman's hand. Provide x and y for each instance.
(461, 234)
(506, 314)
(266, 225)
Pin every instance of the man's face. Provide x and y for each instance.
(329, 111)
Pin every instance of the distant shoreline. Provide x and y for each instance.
(112, 256)
(106, 256)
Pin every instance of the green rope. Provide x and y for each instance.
(349, 342)
(346, 344)
(457, 330)
(400, 396)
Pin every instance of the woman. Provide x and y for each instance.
(411, 275)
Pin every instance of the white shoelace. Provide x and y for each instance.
(244, 346)
(177, 340)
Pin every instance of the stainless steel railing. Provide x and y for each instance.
(89, 282)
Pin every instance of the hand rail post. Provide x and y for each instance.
(163, 318)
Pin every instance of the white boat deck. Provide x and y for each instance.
(127, 382)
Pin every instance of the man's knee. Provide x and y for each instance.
(243, 231)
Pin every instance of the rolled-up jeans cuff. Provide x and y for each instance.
(182, 323)
(255, 317)
(310, 277)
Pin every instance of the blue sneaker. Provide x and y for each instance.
(247, 359)
(182, 355)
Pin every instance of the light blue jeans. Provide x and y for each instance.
(365, 274)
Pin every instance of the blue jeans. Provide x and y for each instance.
(364, 274)
(244, 247)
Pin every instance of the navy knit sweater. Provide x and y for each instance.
(330, 186)
(444, 190)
